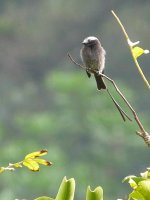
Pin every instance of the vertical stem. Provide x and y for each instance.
(135, 60)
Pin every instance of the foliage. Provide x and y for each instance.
(135, 50)
(66, 116)
(31, 161)
(45, 103)
(140, 186)
(67, 189)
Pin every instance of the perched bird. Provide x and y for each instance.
(93, 57)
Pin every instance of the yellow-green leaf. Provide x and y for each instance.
(145, 174)
(2, 169)
(148, 175)
(36, 154)
(31, 164)
(127, 178)
(66, 189)
(137, 51)
(96, 194)
(44, 198)
(42, 161)
(132, 183)
(135, 195)
(144, 188)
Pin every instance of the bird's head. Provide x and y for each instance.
(91, 41)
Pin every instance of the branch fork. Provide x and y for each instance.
(142, 133)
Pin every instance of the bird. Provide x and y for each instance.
(93, 57)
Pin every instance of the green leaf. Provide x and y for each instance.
(96, 194)
(127, 178)
(136, 196)
(132, 183)
(144, 174)
(136, 179)
(44, 198)
(66, 189)
(144, 189)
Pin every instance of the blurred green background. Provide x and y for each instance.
(48, 103)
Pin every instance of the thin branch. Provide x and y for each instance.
(125, 100)
(123, 114)
(75, 62)
(131, 49)
(142, 133)
(121, 25)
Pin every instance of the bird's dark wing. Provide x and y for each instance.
(88, 73)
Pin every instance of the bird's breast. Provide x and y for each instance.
(90, 58)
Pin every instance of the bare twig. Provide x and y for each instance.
(123, 114)
(75, 61)
(142, 133)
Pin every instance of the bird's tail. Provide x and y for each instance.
(99, 81)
